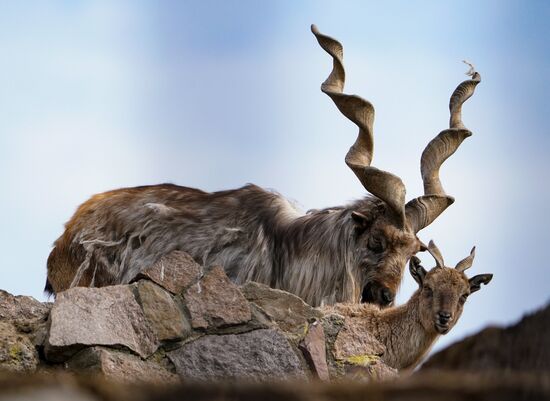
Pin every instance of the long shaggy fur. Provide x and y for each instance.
(256, 235)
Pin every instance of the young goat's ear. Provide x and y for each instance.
(476, 281)
(417, 271)
(361, 221)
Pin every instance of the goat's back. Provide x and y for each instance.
(115, 234)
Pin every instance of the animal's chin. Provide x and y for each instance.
(367, 295)
(371, 295)
(441, 328)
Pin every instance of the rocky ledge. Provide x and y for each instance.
(178, 321)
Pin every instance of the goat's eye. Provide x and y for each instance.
(463, 299)
(428, 292)
(376, 245)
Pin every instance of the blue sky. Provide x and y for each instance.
(99, 95)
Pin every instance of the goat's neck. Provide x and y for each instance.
(408, 341)
(319, 258)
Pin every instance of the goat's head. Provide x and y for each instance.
(382, 251)
(444, 290)
(388, 239)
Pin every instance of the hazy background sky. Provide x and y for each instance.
(215, 94)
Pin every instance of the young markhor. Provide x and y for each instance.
(409, 331)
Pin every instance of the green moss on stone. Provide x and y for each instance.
(15, 352)
(362, 360)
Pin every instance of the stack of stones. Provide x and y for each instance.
(178, 321)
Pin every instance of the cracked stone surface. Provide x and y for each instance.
(315, 351)
(175, 272)
(289, 311)
(109, 316)
(27, 314)
(259, 355)
(215, 301)
(164, 316)
(17, 352)
(119, 366)
(352, 341)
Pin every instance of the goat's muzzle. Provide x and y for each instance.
(376, 293)
(442, 322)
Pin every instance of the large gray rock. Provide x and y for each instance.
(164, 316)
(216, 302)
(17, 352)
(175, 271)
(107, 316)
(259, 355)
(119, 366)
(290, 312)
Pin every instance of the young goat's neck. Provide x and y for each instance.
(408, 341)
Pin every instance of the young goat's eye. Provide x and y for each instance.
(463, 299)
(376, 245)
(428, 292)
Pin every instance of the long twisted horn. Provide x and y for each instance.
(382, 184)
(423, 210)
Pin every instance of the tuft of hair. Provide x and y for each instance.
(48, 289)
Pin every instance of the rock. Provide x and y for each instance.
(164, 317)
(379, 371)
(289, 311)
(524, 346)
(259, 320)
(175, 272)
(216, 302)
(17, 352)
(259, 355)
(22, 308)
(314, 349)
(369, 369)
(27, 314)
(354, 353)
(354, 344)
(332, 324)
(120, 367)
(108, 316)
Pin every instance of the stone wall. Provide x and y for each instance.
(177, 327)
(178, 321)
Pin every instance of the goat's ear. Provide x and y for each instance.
(361, 221)
(476, 281)
(417, 271)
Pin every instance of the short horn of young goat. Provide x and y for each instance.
(436, 253)
(467, 262)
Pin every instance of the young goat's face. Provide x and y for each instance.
(443, 292)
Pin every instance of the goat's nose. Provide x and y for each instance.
(443, 317)
(386, 295)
